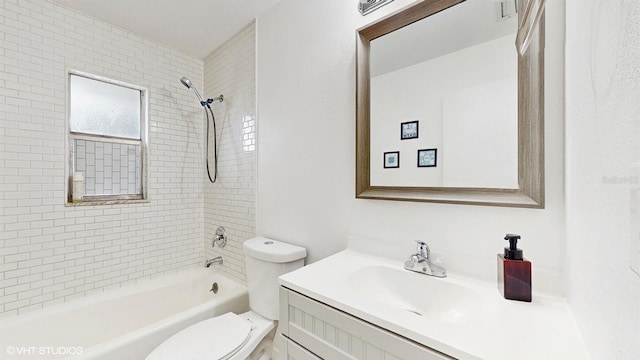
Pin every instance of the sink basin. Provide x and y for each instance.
(420, 295)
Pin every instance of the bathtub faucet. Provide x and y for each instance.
(214, 261)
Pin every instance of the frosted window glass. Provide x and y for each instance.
(101, 108)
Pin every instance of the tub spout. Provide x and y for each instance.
(214, 261)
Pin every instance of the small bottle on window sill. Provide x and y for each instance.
(77, 187)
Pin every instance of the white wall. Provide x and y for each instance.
(231, 201)
(306, 177)
(51, 253)
(603, 140)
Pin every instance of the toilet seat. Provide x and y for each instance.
(216, 338)
(223, 337)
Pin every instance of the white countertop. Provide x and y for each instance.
(490, 326)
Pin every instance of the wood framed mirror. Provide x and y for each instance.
(528, 190)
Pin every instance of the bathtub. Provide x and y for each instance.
(126, 323)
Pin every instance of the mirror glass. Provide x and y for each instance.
(454, 75)
(447, 110)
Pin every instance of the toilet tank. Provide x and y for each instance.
(266, 259)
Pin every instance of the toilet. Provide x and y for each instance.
(244, 336)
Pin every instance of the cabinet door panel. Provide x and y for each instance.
(333, 334)
(297, 352)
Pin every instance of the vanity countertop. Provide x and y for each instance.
(471, 320)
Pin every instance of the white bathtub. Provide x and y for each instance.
(123, 324)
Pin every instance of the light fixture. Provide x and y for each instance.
(367, 6)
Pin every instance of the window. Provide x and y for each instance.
(107, 140)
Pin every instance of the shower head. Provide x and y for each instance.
(189, 85)
(186, 82)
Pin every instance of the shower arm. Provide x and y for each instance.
(209, 101)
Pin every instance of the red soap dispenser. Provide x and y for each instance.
(514, 272)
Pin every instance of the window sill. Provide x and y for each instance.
(106, 202)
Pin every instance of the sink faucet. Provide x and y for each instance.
(420, 262)
(214, 261)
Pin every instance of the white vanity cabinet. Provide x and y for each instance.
(311, 330)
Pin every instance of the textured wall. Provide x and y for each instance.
(51, 253)
(231, 201)
(603, 140)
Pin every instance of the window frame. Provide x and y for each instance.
(143, 142)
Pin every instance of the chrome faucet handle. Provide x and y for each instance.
(421, 263)
(220, 238)
(422, 249)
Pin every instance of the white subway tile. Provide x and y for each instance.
(66, 245)
(231, 70)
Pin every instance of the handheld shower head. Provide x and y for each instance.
(186, 82)
(189, 85)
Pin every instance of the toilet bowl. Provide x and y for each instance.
(244, 336)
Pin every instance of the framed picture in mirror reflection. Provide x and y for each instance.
(391, 159)
(427, 157)
(409, 130)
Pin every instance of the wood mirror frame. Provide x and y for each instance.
(530, 192)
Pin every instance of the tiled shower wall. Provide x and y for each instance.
(230, 202)
(51, 253)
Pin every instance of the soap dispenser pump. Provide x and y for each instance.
(514, 272)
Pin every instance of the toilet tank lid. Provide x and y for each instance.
(272, 250)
